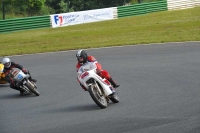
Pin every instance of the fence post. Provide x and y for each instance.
(3, 9)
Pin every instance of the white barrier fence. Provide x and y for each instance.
(182, 4)
(73, 18)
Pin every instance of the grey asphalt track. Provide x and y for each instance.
(159, 93)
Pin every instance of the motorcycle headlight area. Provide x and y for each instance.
(90, 81)
(19, 76)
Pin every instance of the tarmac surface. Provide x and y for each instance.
(159, 92)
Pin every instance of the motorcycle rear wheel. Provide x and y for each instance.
(33, 90)
(97, 96)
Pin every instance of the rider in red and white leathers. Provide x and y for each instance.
(83, 58)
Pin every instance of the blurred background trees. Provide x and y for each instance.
(26, 8)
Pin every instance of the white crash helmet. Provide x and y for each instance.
(6, 62)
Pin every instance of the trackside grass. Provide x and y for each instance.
(160, 27)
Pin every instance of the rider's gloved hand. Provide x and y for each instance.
(24, 71)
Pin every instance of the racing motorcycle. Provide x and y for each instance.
(2, 75)
(100, 89)
(23, 82)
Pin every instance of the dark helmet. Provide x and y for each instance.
(6, 62)
(81, 56)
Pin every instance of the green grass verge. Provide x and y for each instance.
(160, 27)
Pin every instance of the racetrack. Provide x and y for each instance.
(159, 93)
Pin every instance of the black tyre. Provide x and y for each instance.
(114, 98)
(97, 96)
(32, 89)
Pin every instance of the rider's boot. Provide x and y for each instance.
(24, 92)
(31, 79)
(34, 80)
(114, 84)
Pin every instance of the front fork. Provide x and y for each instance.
(101, 91)
(24, 87)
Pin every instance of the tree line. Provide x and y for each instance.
(46, 7)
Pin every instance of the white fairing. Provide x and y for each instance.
(20, 75)
(88, 71)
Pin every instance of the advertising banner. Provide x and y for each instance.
(73, 18)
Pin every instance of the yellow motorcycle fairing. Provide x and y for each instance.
(2, 75)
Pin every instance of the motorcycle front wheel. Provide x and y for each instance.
(98, 96)
(32, 89)
(114, 98)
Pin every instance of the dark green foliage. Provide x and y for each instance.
(26, 8)
(23, 7)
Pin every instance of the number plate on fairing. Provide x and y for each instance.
(14, 72)
(84, 75)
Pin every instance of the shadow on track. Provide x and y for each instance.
(75, 109)
(15, 96)
(4, 85)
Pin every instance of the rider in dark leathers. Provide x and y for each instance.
(8, 65)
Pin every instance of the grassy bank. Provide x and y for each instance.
(168, 26)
